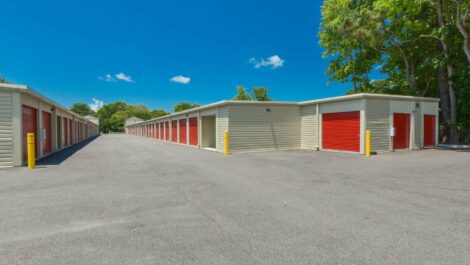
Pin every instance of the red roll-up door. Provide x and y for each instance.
(183, 138)
(174, 131)
(401, 122)
(429, 130)
(46, 126)
(65, 135)
(341, 131)
(167, 131)
(162, 131)
(157, 131)
(193, 137)
(29, 126)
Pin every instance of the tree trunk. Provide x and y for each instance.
(444, 103)
(449, 66)
(460, 20)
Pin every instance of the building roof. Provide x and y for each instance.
(92, 119)
(290, 103)
(133, 120)
(33, 93)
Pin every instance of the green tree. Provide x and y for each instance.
(260, 94)
(82, 109)
(3, 80)
(415, 44)
(241, 94)
(158, 113)
(184, 106)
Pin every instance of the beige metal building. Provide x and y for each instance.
(22, 110)
(339, 123)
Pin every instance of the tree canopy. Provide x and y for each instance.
(416, 47)
(113, 116)
(82, 109)
(3, 80)
(257, 94)
(184, 106)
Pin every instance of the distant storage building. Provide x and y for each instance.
(339, 124)
(23, 111)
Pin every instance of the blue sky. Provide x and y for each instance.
(74, 51)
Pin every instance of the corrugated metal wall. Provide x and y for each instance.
(309, 127)
(254, 128)
(6, 130)
(222, 126)
(379, 124)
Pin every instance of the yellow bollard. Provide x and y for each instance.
(226, 143)
(368, 143)
(31, 151)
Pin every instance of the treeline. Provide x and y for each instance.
(416, 47)
(113, 116)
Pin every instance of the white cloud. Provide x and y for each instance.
(96, 105)
(180, 79)
(107, 78)
(122, 76)
(274, 62)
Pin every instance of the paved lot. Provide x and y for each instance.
(128, 200)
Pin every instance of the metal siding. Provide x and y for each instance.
(222, 125)
(253, 128)
(378, 122)
(6, 130)
(309, 127)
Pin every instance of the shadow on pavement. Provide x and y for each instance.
(59, 157)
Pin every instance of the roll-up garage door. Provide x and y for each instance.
(341, 131)
(401, 122)
(29, 126)
(46, 127)
(70, 131)
(429, 130)
(162, 131)
(183, 138)
(167, 131)
(66, 132)
(193, 131)
(174, 131)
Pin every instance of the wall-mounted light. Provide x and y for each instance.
(268, 109)
(417, 105)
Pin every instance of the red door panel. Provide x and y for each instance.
(401, 122)
(341, 131)
(46, 126)
(174, 131)
(29, 126)
(183, 138)
(193, 137)
(162, 131)
(429, 130)
(167, 131)
(157, 131)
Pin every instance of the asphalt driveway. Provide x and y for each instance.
(128, 200)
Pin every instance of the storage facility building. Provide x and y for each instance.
(23, 111)
(339, 124)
